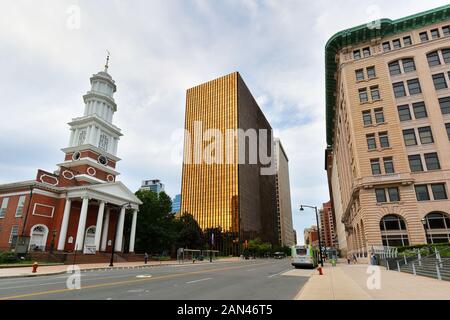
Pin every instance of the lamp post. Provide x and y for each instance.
(113, 247)
(424, 223)
(318, 229)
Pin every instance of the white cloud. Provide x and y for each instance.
(159, 49)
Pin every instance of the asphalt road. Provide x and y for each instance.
(251, 279)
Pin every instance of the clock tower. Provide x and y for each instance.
(91, 155)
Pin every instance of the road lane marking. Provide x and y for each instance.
(251, 270)
(144, 276)
(118, 283)
(277, 274)
(199, 280)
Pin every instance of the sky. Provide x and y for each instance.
(159, 49)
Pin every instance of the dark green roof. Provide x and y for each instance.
(361, 34)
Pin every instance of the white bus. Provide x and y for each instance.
(304, 256)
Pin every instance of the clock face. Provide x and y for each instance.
(103, 160)
(76, 156)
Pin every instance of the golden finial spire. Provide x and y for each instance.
(107, 61)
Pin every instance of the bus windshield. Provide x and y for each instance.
(301, 251)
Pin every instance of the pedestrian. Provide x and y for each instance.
(145, 258)
(348, 259)
(354, 259)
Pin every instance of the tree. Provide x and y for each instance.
(157, 227)
(190, 236)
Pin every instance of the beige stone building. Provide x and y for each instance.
(388, 131)
(283, 191)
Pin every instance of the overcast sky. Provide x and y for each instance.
(158, 50)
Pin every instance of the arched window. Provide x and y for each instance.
(393, 231)
(438, 227)
(38, 238)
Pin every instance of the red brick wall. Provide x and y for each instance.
(89, 154)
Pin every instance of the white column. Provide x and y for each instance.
(82, 225)
(72, 137)
(119, 235)
(98, 227)
(133, 231)
(64, 225)
(105, 231)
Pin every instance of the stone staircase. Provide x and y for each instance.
(428, 267)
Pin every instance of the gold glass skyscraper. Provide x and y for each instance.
(225, 195)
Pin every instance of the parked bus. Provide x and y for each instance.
(304, 256)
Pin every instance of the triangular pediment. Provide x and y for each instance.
(116, 189)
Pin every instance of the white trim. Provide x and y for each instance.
(46, 175)
(88, 161)
(110, 176)
(43, 205)
(20, 193)
(89, 171)
(88, 178)
(24, 197)
(73, 155)
(48, 194)
(45, 235)
(91, 147)
(10, 233)
(72, 176)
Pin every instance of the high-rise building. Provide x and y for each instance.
(295, 236)
(283, 192)
(327, 226)
(176, 204)
(154, 185)
(388, 131)
(228, 193)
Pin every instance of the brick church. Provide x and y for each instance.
(81, 206)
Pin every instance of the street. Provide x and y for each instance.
(252, 279)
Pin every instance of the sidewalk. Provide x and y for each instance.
(59, 269)
(349, 282)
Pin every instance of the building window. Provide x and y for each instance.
(371, 72)
(423, 36)
(384, 139)
(394, 68)
(82, 137)
(435, 34)
(415, 163)
(399, 89)
(359, 74)
(367, 118)
(20, 205)
(420, 111)
(409, 137)
(388, 165)
(379, 116)
(13, 234)
(422, 193)
(444, 103)
(363, 95)
(425, 135)
(380, 194)
(446, 31)
(371, 143)
(366, 52)
(439, 81)
(4, 206)
(433, 59)
(447, 126)
(357, 54)
(446, 55)
(386, 46)
(394, 194)
(408, 65)
(414, 86)
(432, 161)
(404, 113)
(438, 226)
(375, 165)
(396, 43)
(103, 143)
(393, 231)
(439, 192)
(375, 93)
(407, 41)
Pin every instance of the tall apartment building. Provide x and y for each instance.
(154, 185)
(388, 131)
(283, 192)
(226, 193)
(327, 226)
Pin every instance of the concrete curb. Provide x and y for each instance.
(100, 268)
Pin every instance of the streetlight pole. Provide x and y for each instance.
(424, 222)
(318, 229)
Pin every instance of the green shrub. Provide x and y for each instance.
(8, 257)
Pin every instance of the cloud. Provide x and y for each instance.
(159, 49)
